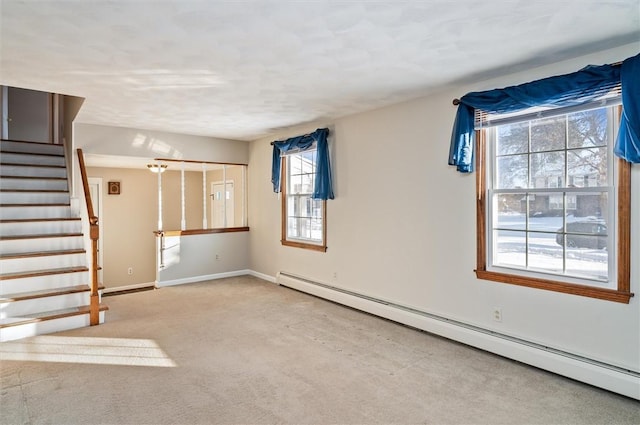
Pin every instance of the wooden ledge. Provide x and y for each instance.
(190, 232)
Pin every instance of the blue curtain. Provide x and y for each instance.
(563, 90)
(323, 188)
(628, 142)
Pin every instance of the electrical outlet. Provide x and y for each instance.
(335, 276)
(497, 314)
(130, 271)
(217, 257)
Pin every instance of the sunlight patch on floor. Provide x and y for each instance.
(88, 350)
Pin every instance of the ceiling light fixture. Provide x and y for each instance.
(155, 168)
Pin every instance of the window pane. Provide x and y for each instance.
(295, 164)
(512, 139)
(547, 170)
(306, 183)
(510, 248)
(590, 259)
(548, 134)
(317, 208)
(293, 227)
(587, 167)
(512, 172)
(308, 160)
(291, 206)
(316, 229)
(305, 227)
(294, 184)
(511, 211)
(588, 128)
(588, 206)
(546, 211)
(544, 252)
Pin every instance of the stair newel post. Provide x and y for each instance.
(94, 306)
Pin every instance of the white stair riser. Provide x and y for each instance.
(17, 158)
(22, 170)
(38, 283)
(34, 197)
(40, 227)
(47, 148)
(33, 184)
(13, 213)
(18, 265)
(19, 246)
(46, 327)
(40, 305)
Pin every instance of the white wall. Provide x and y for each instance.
(402, 228)
(201, 257)
(121, 141)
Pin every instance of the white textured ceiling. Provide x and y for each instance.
(243, 69)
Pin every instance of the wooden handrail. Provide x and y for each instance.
(94, 233)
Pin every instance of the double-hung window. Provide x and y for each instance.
(303, 218)
(553, 201)
(301, 171)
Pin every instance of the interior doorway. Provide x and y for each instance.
(27, 115)
(222, 204)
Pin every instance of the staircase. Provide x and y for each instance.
(44, 278)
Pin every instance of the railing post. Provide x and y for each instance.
(94, 306)
(94, 234)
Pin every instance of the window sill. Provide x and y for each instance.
(551, 285)
(320, 248)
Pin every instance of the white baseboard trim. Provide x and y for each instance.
(595, 373)
(262, 276)
(128, 287)
(202, 278)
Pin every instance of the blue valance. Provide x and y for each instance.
(563, 90)
(323, 188)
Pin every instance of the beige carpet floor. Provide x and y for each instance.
(244, 351)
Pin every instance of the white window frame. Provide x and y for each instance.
(617, 287)
(300, 242)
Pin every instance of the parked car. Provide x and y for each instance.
(584, 234)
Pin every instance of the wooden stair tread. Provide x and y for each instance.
(39, 236)
(54, 292)
(41, 254)
(36, 205)
(17, 164)
(34, 177)
(48, 315)
(45, 272)
(30, 142)
(33, 220)
(33, 153)
(35, 190)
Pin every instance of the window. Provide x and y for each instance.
(303, 218)
(553, 204)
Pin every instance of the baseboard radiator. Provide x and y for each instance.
(599, 374)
